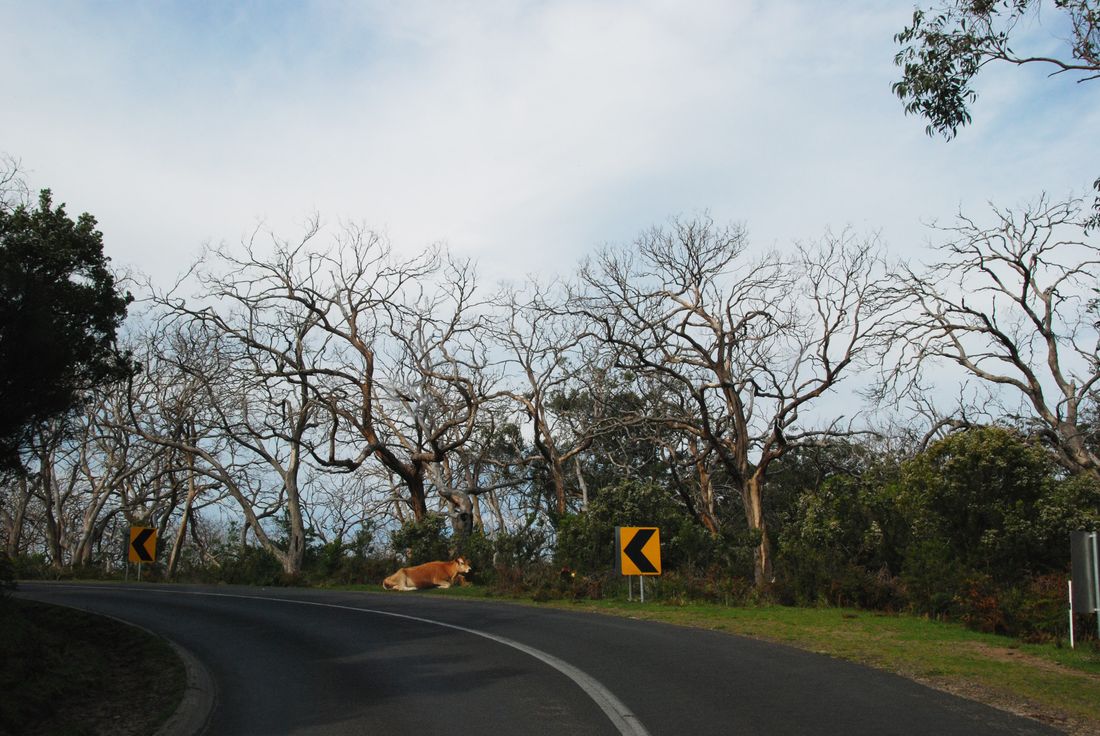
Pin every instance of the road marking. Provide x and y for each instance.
(616, 711)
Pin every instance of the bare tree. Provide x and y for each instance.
(751, 343)
(248, 398)
(558, 374)
(1014, 305)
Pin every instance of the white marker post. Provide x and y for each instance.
(1071, 644)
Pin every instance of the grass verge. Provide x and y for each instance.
(65, 672)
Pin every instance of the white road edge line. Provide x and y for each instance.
(616, 711)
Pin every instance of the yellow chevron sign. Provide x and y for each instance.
(638, 550)
(143, 544)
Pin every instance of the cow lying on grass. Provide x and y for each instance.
(428, 575)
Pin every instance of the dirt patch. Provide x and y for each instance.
(1014, 703)
(1006, 654)
(1011, 703)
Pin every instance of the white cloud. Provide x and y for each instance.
(523, 134)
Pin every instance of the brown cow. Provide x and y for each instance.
(428, 575)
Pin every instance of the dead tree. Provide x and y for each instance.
(1014, 304)
(752, 343)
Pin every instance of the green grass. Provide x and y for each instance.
(1056, 684)
(68, 673)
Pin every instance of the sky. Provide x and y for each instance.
(524, 135)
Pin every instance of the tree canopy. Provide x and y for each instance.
(945, 48)
(59, 311)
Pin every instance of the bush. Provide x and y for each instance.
(816, 577)
(30, 567)
(252, 566)
(586, 541)
(7, 575)
(422, 541)
(933, 578)
(1039, 611)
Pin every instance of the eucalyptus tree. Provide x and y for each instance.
(558, 381)
(1013, 303)
(437, 382)
(946, 46)
(949, 44)
(245, 353)
(751, 343)
(401, 372)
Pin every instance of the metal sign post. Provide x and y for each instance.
(1084, 588)
(1096, 581)
(637, 552)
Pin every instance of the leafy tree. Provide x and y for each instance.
(60, 309)
(1007, 303)
(945, 48)
(422, 540)
(993, 500)
(587, 541)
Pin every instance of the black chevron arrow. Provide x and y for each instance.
(633, 550)
(139, 545)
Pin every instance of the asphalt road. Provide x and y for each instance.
(289, 661)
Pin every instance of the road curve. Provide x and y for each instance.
(291, 661)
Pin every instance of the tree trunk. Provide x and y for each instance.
(763, 572)
(14, 522)
(582, 484)
(177, 544)
(706, 514)
(557, 476)
(415, 484)
(296, 535)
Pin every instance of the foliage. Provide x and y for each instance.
(422, 541)
(974, 528)
(943, 50)
(7, 575)
(979, 494)
(251, 566)
(586, 541)
(59, 312)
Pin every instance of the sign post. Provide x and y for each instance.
(1084, 586)
(637, 552)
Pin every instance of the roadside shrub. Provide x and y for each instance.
(356, 570)
(979, 604)
(1035, 610)
(422, 541)
(586, 541)
(478, 551)
(933, 578)
(523, 547)
(30, 567)
(819, 577)
(251, 566)
(7, 575)
(713, 585)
